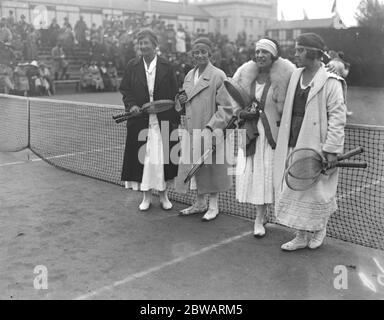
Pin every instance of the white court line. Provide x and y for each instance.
(59, 156)
(147, 272)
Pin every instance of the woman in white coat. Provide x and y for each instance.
(314, 117)
(204, 114)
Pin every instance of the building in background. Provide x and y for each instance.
(287, 31)
(233, 17)
(189, 15)
(229, 17)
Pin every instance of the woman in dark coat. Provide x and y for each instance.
(149, 166)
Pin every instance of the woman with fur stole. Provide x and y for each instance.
(266, 78)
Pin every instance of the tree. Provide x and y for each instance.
(371, 14)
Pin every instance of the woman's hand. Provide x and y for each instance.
(135, 109)
(331, 159)
(183, 98)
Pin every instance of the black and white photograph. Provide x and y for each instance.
(191, 156)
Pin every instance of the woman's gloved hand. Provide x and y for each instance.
(245, 115)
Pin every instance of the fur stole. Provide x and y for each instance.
(280, 75)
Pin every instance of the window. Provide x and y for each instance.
(218, 24)
(289, 34)
(225, 23)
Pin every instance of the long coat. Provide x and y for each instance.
(135, 93)
(204, 108)
(322, 130)
(280, 75)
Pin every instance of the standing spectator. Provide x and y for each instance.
(11, 21)
(314, 116)
(94, 33)
(171, 39)
(59, 62)
(66, 24)
(80, 32)
(53, 32)
(5, 33)
(180, 40)
(31, 44)
(22, 28)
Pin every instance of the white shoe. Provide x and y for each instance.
(194, 209)
(210, 215)
(166, 205)
(349, 113)
(300, 242)
(164, 201)
(317, 239)
(259, 230)
(145, 205)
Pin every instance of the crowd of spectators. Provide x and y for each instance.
(112, 44)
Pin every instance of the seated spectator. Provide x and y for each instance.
(97, 80)
(20, 78)
(46, 81)
(59, 62)
(85, 76)
(97, 51)
(113, 76)
(104, 75)
(6, 78)
(33, 74)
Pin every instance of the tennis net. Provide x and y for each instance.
(84, 139)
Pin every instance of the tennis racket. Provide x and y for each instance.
(305, 166)
(152, 107)
(199, 163)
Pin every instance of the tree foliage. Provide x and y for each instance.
(371, 14)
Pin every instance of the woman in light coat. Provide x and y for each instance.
(268, 74)
(314, 117)
(203, 113)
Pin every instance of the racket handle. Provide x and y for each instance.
(350, 154)
(121, 115)
(362, 165)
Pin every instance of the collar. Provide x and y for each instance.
(152, 66)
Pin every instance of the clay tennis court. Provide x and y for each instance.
(95, 243)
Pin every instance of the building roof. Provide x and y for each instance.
(304, 24)
(159, 7)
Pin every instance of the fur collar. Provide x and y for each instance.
(280, 75)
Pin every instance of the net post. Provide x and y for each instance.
(29, 122)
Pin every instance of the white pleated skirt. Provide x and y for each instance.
(254, 174)
(153, 173)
